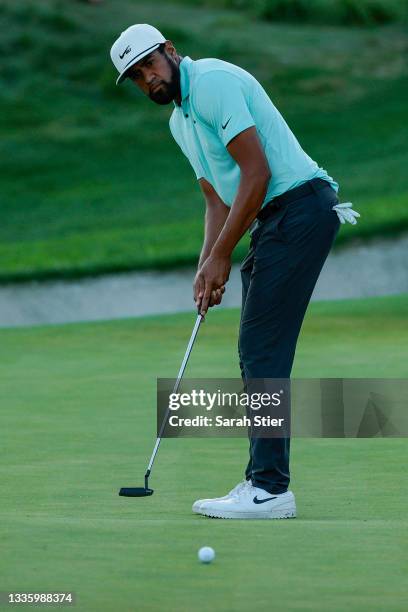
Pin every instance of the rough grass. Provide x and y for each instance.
(336, 12)
(91, 179)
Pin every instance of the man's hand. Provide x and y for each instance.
(209, 283)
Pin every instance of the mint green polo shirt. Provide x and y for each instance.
(220, 100)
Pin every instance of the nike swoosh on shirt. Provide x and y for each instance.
(225, 124)
(262, 501)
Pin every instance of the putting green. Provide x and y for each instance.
(78, 421)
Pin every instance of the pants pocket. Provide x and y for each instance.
(327, 198)
(272, 227)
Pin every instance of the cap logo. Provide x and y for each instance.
(127, 50)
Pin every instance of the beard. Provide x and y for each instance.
(167, 90)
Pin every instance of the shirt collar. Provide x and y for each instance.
(186, 66)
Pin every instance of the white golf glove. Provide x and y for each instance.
(346, 213)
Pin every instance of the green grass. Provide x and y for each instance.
(91, 178)
(338, 12)
(78, 421)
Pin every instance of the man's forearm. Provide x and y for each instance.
(250, 196)
(215, 218)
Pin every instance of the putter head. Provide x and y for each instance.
(135, 492)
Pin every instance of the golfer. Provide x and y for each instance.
(254, 176)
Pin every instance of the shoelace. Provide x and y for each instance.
(249, 489)
(245, 490)
(238, 488)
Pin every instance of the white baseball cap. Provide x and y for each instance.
(132, 45)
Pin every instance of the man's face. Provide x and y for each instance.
(158, 76)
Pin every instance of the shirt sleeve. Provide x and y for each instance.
(195, 164)
(220, 101)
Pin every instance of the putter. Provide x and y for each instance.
(145, 491)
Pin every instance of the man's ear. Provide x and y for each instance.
(170, 48)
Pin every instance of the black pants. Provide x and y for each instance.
(286, 254)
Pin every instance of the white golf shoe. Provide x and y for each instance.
(234, 491)
(250, 502)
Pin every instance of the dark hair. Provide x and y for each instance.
(160, 48)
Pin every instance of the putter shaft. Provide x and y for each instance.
(175, 389)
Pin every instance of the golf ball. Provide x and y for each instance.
(206, 554)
